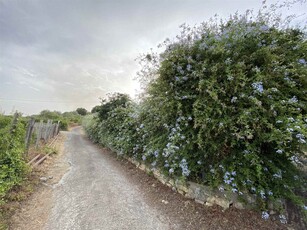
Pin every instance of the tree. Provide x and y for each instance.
(95, 109)
(115, 100)
(81, 111)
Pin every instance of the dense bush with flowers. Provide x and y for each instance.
(224, 105)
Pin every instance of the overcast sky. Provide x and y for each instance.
(65, 54)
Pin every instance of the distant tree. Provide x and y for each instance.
(95, 109)
(81, 111)
(47, 114)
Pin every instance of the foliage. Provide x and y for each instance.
(114, 101)
(81, 111)
(72, 117)
(225, 105)
(12, 164)
(65, 118)
(116, 109)
(95, 109)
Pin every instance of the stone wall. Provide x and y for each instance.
(200, 193)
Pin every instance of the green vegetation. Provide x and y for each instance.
(225, 105)
(66, 119)
(13, 167)
(12, 164)
(81, 111)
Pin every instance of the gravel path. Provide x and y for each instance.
(94, 194)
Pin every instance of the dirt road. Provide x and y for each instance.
(94, 194)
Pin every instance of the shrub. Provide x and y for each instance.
(225, 105)
(12, 164)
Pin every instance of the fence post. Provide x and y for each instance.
(57, 128)
(14, 123)
(31, 124)
(39, 129)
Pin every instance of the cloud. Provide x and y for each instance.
(78, 51)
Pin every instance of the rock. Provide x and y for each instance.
(198, 192)
(182, 188)
(238, 205)
(219, 201)
(208, 204)
(43, 179)
(164, 201)
(171, 182)
(142, 167)
(50, 177)
(199, 201)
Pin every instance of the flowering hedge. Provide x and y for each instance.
(225, 105)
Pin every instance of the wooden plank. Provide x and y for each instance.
(34, 159)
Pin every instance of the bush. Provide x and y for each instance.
(12, 165)
(225, 105)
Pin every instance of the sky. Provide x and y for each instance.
(65, 54)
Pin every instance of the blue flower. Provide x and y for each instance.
(279, 151)
(246, 151)
(233, 99)
(153, 164)
(283, 219)
(293, 100)
(262, 194)
(230, 78)
(184, 167)
(301, 138)
(277, 175)
(257, 86)
(270, 193)
(302, 61)
(189, 67)
(265, 215)
(291, 119)
(264, 28)
(221, 189)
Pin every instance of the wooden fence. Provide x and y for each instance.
(43, 132)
